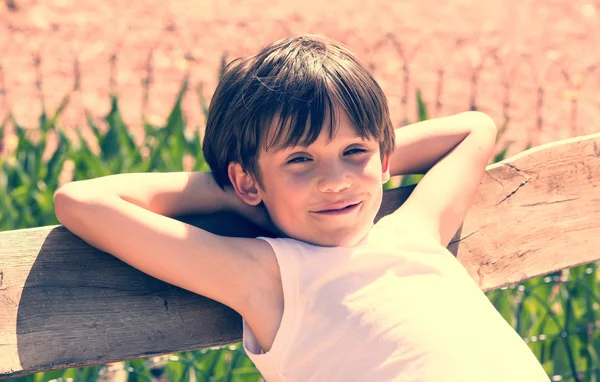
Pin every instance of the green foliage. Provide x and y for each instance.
(556, 313)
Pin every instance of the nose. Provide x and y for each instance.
(333, 179)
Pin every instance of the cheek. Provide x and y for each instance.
(289, 200)
(295, 185)
(373, 169)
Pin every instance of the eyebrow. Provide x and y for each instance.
(349, 138)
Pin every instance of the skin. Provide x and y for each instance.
(297, 182)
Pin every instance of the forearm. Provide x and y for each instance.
(421, 145)
(165, 193)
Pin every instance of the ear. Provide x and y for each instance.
(244, 184)
(385, 168)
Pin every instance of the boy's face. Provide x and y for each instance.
(327, 193)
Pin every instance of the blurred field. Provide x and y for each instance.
(534, 61)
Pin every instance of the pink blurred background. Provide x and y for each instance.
(533, 61)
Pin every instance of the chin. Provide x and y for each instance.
(341, 243)
(324, 237)
(346, 239)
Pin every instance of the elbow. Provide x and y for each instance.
(64, 205)
(482, 121)
(69, 199)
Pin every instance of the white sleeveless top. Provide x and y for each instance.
(395, 307)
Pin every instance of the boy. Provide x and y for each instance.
(300, 140)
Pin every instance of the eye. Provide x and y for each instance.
(355, 151)
(299, 160)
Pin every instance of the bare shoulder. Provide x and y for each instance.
(264, 309)
(262, 255)
(254, 272)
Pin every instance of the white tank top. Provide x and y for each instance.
(395, 307)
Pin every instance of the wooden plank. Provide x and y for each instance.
(535, 213)
(65, 304)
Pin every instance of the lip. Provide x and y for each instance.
(339, 208)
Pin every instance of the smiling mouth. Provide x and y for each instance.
(339, 211)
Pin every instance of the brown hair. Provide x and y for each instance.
(293, 79)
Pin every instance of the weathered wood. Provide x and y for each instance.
(535, 213)
(64, 303)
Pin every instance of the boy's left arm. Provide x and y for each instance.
(421, 145)
(453, 152)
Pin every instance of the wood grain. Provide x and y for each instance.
(65, 304)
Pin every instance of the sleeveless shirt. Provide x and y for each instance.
(395, 307)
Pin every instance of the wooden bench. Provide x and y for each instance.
(65, 304)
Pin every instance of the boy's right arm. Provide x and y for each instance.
(127, 215)
(165, 193)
